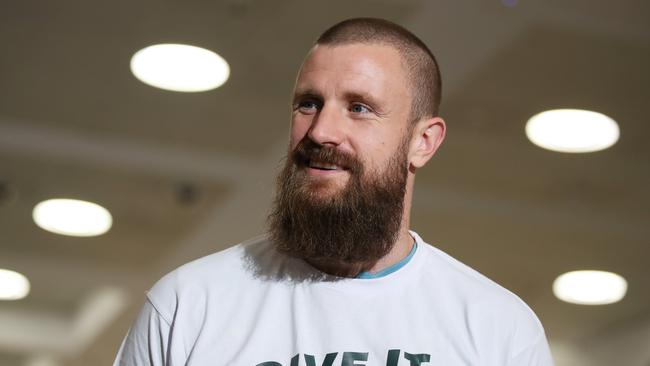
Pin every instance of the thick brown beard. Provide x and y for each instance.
(356, 226)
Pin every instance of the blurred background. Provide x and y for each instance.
(187, 174)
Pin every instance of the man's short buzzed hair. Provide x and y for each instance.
(420, 64)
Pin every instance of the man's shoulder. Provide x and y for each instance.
(224, 261)
(210, 272)
(486, 304)
(461, 277)
(490, 311)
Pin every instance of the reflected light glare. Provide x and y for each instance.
(572, 130)
(590, 287)
(13, 285)
(72, 217)
(179, 67)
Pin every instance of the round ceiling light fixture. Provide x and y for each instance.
(13, 285)
(590, 287)
(180, 67)
(572, 130)
(72, 217)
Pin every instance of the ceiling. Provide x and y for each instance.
(188, 174)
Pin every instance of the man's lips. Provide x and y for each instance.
(322, 159)
(324, 166)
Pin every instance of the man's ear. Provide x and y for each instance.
(428, 135)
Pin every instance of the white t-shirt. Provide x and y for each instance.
(252, 306)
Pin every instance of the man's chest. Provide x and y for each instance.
(318, 331)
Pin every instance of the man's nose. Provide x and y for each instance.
(327, 127)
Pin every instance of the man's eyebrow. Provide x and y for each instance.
(368, 98)
(309, 93)
(365, 97)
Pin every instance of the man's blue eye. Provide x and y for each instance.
(308, 105)
(359, 108)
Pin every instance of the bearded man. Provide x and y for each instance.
(340, 279)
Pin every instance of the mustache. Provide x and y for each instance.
(307, 151)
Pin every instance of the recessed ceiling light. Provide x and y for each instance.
(180, 67)
(572, 130)
(72, 217)
(590, 287)
(13, 285)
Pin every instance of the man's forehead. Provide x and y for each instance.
(352, 55)
(354, 65)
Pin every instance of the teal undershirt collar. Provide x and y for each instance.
(391, 269)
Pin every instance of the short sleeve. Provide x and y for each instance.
(538, 354)
(147, 341)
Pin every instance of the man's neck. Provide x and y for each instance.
(400, 250)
